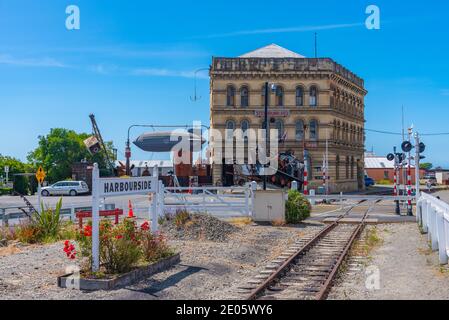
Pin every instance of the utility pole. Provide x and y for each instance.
(266, 133)
(306, 163)
(417, 164)
(396, 180)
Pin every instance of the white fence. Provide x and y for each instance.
(433, 217)
(219, 201)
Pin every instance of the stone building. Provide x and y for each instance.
(316, 94)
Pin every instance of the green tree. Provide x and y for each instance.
(426, 166)
(58, 150)
(21, 183)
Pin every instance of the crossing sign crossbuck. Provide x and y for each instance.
(40, 175)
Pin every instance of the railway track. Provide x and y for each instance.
(307, 269)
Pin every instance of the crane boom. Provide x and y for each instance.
(97, 133)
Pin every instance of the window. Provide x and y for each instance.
(244, 97)
(386, 175)
(279, 96)
(313, 96)
(352, 167)
(245, 126)
(230, 96)
(299, 96)
(279, 125)
(347, 167)
(313, 130)
(230, 127)
(299, 130)
(337, 168)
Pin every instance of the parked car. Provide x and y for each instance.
(369, 181)
(70, 188)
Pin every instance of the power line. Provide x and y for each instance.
(400, 134)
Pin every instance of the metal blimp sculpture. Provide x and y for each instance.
(166, 141)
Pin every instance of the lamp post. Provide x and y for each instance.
(266, 132)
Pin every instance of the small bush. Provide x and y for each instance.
(7, 233)
(28, 233)
(5, 191)
(181, 218)
(297, 207)
(49, 221)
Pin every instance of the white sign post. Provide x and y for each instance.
(7, 174)
(113, 187)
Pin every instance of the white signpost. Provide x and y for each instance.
(113, 187)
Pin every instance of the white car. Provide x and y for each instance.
(70, 188)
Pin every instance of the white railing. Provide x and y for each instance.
(433, 217)
(220, 201)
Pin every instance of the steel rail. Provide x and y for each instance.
(275, 275)
(322, 294)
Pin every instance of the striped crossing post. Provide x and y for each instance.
(324, 175)
(409, 189)
(306, 174)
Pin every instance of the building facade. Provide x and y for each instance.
(315, 101)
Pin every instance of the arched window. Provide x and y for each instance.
(279, 125)
(347, 167)
(313, 102)
(279, 96)
(352, 167)
(337, 168)
(299, 96)
(244, 97)
(263, 96)
(313, 130)
(244, 125)
(299, 130)
(230, 96)
(230, 127)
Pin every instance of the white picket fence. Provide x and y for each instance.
(433, 217)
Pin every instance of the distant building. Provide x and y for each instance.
(143, 166)
(318, 93)
(380, 168)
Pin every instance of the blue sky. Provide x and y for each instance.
(133, 61)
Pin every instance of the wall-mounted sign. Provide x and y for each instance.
(272, 113)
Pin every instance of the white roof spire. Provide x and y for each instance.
(272, 51)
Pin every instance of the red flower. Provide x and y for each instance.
(88, 231)
(145, 226)
(119, 237)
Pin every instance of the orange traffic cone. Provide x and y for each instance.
(130, 210)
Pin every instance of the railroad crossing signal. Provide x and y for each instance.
(40, 175)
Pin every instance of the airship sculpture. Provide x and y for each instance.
(165, 141)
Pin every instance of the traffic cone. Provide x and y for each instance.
(130, 210)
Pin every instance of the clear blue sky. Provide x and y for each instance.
(132, 62)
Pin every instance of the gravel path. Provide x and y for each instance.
(407, 269)
(208, 270)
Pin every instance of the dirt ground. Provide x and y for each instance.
(208, 270)
(401, 267)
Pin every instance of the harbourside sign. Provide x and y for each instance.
(128, 186)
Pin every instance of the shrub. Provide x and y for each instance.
(181, 218)
(7, 233)
(5, 191)
(154, 246)
(49, 221)
(297, 207)
(28, 233)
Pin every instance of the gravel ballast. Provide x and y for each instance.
(407, 269)
(208, 269)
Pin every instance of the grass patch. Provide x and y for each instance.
(240, 222)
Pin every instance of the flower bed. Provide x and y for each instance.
(73, 281)
(127, 253)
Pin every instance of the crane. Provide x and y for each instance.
(97, 134)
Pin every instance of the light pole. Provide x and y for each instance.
(195, 97)
(266, 132)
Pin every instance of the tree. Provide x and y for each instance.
(21, 183)
(426, 166)
(58, 150)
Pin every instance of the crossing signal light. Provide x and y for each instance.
(406, 146)
(390, 157)
(422, 147)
